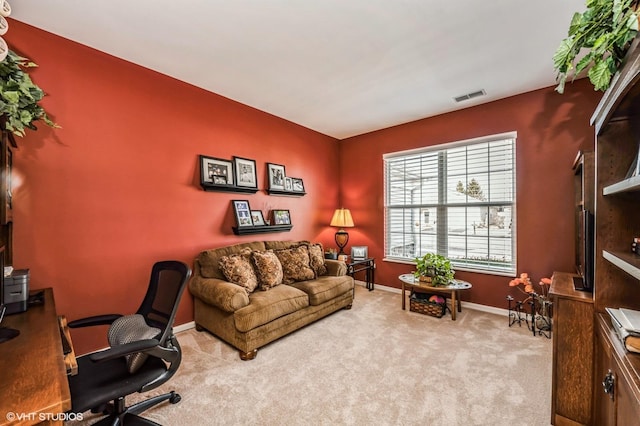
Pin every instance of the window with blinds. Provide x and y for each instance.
(457, 200)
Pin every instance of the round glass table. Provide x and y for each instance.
(410, 282)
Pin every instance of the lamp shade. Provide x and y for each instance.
(342, 219)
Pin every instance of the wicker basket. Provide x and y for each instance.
(419, 302)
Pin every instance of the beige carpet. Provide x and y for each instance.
(372, 365)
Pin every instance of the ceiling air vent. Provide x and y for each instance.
(470, 96)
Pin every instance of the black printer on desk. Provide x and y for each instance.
(15, 291)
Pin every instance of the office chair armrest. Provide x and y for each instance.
(123, 350)
(95, 320)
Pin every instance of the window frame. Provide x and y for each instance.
(484, 267)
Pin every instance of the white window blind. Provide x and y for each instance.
(457, 200)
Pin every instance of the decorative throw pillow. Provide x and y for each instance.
(316, 259)
(237, 269)
(295, 264)
(267, 268)
(131, 328)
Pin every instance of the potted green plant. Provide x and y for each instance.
(19, 97)
(434, 268)
(605, 30)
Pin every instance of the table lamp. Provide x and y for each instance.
(342, 219)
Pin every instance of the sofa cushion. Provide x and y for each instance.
(316, 259)
(267, 268)
(265, 306)
(209, 259)
(325, 288)
(237, 269)
(295, 264)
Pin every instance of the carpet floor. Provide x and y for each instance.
(372, 365)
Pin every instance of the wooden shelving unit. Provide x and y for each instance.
(617, 269)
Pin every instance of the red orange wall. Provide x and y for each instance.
(551, 129)
(117, 188)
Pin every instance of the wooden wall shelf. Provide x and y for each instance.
(248, 230)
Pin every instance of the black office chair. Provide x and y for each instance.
(144, 353)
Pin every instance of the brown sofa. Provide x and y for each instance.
(249, 319)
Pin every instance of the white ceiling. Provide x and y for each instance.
(341, 67)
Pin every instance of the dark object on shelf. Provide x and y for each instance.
(36, 298)
(331, 255)
(6, 333)
(419, 302)
(247, 230)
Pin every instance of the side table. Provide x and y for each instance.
(368, 265)
(409, 281)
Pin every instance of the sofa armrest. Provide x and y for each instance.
(335, 268)
(225, 295)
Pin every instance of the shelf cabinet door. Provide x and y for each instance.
(604, 404)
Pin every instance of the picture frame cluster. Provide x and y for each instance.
(247, 218)
(278, 180)
(238, 173)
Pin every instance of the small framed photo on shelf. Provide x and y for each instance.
(276, 176)
(257, 218)
(245, 172)
(297, 185)
(359, 252)
(215, 171)
(288, 184)
(281, 217)
(242, 213)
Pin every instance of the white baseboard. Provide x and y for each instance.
(184, 327)
(474, 306)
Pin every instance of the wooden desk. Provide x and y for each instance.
(33, 376)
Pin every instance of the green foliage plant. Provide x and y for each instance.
(436, 266)
(605, 30)
(19, 96)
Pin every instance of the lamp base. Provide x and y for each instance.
(342, 238)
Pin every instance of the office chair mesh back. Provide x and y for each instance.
(159, 305)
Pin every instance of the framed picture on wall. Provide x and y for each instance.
(297, 185)
(245, 172)
(281, 217)
(215, 171)
(288, 184)
(276, 176)
(257, 218)
(242, 213)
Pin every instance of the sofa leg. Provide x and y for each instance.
(199, 327)
(349, 306)
(248, 356)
